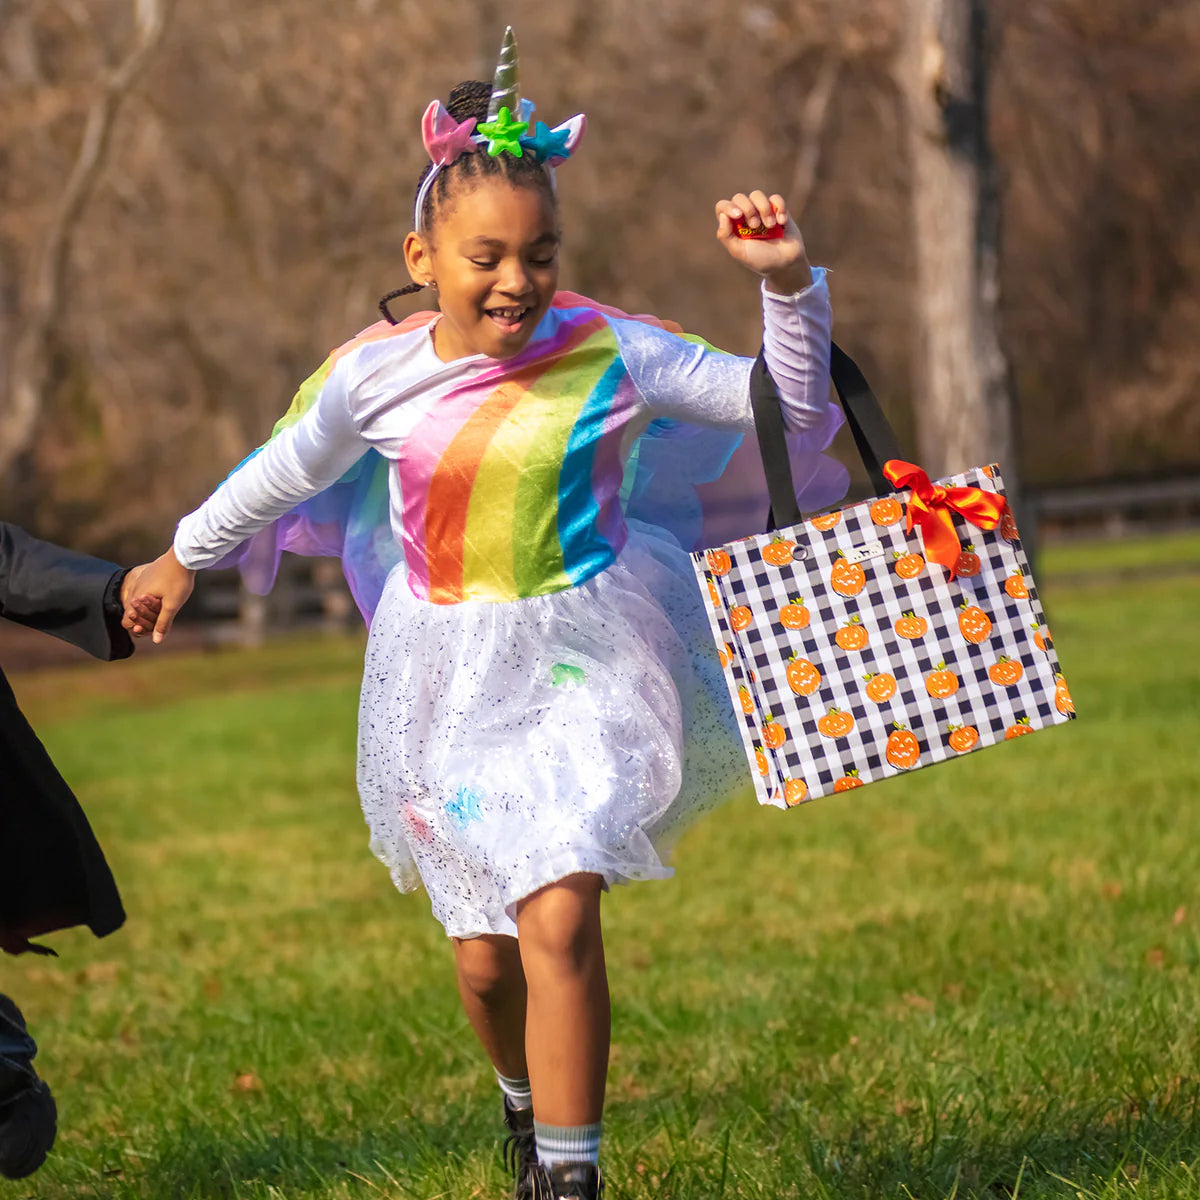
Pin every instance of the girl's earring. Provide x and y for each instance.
(433, 284)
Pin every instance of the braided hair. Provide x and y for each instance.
(470, 99)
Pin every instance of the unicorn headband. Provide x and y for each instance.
(504, 132)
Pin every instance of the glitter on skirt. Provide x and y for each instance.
(503, 746)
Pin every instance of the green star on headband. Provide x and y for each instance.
(504, 134)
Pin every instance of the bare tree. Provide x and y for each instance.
(29, 371)
(963, 407)
(259, 184)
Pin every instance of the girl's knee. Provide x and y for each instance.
(561, 923)
(488, 970)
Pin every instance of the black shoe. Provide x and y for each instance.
(28, 1118)
(28, 1123)
(569, 1181)
(520, 1150)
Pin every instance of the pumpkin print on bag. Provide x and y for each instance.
(826, 521)
(1008, 528)
(835, 723)
(794, 615)
(745, 699)
(761, 760)
(847, 578)
(778, 552)
(881, 687)
(1005, 671)
(974, 624)
(883, 665)
(794, 791)
(886, 511)
(903, 749)
(803, 678)
(962, 737)
(968, 563)
(718, 562)
(725, 655)
(941, 684)
(713, 595)
(773, 734)
(853, 635)
(740, 618)
(911, 626)
(1014, 585)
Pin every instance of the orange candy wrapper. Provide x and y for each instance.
(762, 233)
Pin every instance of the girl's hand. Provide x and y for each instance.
(782, 262)
(162, 588)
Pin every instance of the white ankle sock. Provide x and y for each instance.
(567, 1143)
(517, 1091)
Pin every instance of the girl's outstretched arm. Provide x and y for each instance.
(299, 462)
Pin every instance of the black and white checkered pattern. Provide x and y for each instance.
(812, 761)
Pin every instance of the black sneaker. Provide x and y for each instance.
(569, 1181)
(28, 1123)
(28, 1118)
(520, 1150)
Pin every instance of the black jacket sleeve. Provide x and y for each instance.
(71, 595)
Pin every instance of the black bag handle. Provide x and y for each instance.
(873, 436)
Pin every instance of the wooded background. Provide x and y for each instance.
(200, 200)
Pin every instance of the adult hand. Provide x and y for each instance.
(159, 592)
(782, 262)
(146, 609)
(129, 585)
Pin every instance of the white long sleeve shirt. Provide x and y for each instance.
(505, 474)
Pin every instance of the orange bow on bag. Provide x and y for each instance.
(931, 505)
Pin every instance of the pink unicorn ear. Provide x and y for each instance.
(574, 129)
(445, 139)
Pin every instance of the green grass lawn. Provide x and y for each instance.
(977, 981)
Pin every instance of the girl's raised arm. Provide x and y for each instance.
(689, 381)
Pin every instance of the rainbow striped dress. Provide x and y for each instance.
(538, 697)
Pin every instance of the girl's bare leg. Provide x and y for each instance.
(491, 983)
(568, 1016)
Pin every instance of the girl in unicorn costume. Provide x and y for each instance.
(513, 483)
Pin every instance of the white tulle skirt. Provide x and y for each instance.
(505, 746)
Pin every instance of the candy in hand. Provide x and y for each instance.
(762, 232)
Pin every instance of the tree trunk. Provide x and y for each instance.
(964, 409)
(32, 344)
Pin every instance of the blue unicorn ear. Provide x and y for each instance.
(506, 86)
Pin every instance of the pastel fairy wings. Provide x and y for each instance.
(506, 130)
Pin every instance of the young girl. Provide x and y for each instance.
(539, 656)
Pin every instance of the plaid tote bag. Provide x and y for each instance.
(883, 637)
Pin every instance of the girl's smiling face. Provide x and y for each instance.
(493, 254)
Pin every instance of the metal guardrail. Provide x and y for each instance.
(312, 592)
(1117, 497)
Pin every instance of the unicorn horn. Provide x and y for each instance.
(506, 87)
